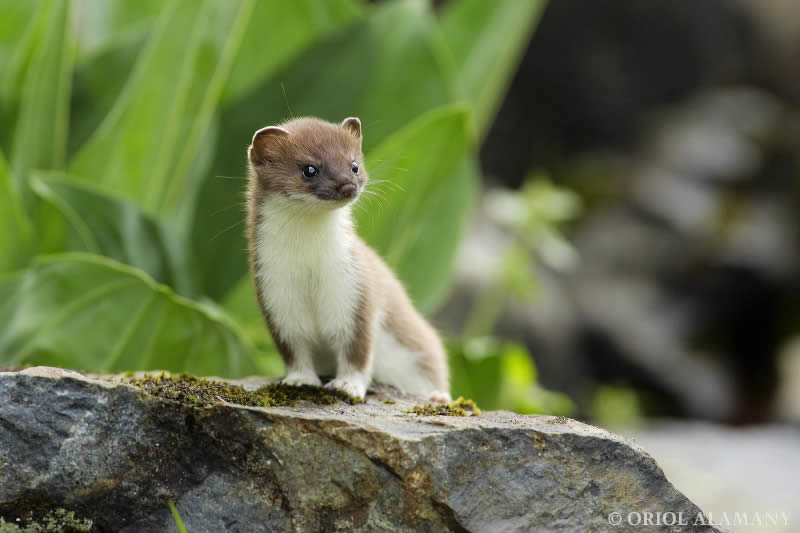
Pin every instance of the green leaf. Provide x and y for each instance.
(487, 40)
(395, 73)
(146, 149)
(102, 23)
(16, 233)
(475, 371)
(427, 264)
(87, 312)
(98, 82)
(111, 38)
(20, 27)
(241, 303)
(40, 137)
(416, 218)
(15, 20)
(118, 229)
(280, 30)
(176, 517)
(501, 375)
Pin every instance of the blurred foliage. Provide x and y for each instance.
(501, 375)
(533, 217)
(497, 374)
(616, 406)
(122, 157)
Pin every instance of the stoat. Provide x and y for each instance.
(332, 305)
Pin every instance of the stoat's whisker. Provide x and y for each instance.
(226, 208)
(384, 183)
(226, 230)
(376, 192)
(372, 198)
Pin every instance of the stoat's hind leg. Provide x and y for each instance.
(440, 397)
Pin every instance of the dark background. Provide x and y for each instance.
(678, 125)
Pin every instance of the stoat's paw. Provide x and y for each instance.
(440, 397)
(301, 378)
(351, 386)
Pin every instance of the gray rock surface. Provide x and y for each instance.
(739, 475)
(115, 454)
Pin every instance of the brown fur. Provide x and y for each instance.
(402, 319)
(277, 160)
(254, 196)
(358, 351)
(276, 163)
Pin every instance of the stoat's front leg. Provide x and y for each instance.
(299, 365)
(354, 366)
(354, 358)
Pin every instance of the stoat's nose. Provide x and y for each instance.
(348, 190)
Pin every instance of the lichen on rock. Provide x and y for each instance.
(459, 407)
(202, 392)
(57, 521)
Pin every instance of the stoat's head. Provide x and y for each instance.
(310, 160)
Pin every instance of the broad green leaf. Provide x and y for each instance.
(87, 312)
(242, 305)
(15, 20)
(146, 149)
(416, 217)
(501, 375)
(426, 266)
(475, 370)
(102, 22)
(405, 72)
(395, 73)
(278, 31)
(16, 233)
(111, 37)
(114, 228)
(487, 40)
(98, 82)
(20, 27)
(40, 136)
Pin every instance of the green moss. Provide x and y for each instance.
(468, 405)
(58, 521)
(199, 392)
(459, 407)
(387, 401)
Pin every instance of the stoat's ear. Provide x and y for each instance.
(263, 140)
(353, 125)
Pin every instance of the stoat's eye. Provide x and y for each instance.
(310, 171)
(354, 167)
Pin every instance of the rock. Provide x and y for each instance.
(116, 455)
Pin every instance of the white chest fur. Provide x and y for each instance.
(306, 273)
